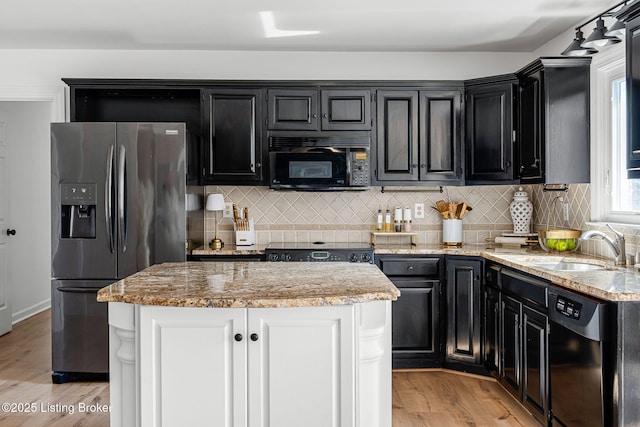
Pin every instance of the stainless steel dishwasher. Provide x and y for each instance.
(581, 381)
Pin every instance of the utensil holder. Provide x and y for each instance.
(452, 232)
(245, 237)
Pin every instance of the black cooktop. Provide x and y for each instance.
(320, 252)
(315, 246)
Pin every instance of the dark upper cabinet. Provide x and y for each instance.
(633, 98)
(490, 129)
(464, 321)
(299, 109)
(112, 101)
(440, 140)
(233, 152)
(345, 109)
(416, 331)
(553, 125)
(631, 17)
(418, 136)
(292, 109)
(397, 136)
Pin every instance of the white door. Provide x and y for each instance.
(5, 227)
(301, 367)
(193, 366)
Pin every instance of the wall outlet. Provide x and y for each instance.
(228, 210)
(419, 210)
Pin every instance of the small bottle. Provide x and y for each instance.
(387, 220)
(397, 218)
(406, 219)
(380, 222)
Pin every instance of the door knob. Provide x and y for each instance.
(254, 337)
(11, 232)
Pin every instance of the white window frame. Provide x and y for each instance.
(606, 67)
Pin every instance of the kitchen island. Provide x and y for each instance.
(251, 344)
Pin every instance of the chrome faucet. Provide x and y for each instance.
(617, 245)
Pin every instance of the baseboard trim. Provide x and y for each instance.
(21, 315)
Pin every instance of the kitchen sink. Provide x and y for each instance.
(569, 266)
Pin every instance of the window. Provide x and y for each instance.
(614, 197)
(625, 193)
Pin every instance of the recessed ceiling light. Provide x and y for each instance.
(270, 29)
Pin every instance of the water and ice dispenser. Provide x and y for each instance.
(78, 210)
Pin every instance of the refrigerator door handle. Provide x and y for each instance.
(108, 198)
(122, 199)
(78, 290)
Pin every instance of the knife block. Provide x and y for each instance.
(245, 237)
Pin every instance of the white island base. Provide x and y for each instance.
(325, 366)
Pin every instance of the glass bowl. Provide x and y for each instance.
(559, 240)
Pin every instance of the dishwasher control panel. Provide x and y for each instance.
(569, 307)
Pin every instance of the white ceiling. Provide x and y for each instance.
(337, 25)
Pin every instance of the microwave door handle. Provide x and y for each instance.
(108, 198)
(348, 168)
(122, 199)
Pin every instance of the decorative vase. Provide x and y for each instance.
(521, 210)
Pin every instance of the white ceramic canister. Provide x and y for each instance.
(452, 232)
(521, 210)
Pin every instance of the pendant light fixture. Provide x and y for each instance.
(617, 29)
(600, 37)
(576, 49)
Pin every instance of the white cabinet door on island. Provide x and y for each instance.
(195, 365)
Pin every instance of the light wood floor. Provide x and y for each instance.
(420, 398)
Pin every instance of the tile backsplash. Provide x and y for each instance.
(290, 216)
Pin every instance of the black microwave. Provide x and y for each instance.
(319, 164)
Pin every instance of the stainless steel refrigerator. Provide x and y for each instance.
(117, 207)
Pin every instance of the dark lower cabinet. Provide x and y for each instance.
(416, 325)
(492, 303)
(511, 317)
(535, 327)
(525, 341)
(464, 281)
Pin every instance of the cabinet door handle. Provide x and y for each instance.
(324, 115)
(238, 337)
(410, 268)
(254, 337)
(314, 115)
(258, 165)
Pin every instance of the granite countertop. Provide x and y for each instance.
(612, 283)
(252, 284)
(230, 249)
